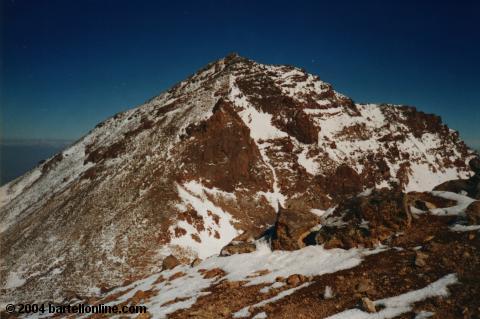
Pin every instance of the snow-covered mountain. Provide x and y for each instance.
(213, 159)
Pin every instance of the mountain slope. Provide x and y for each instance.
(213, 158)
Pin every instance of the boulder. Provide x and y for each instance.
(170, 262)
(473, 213)
(471, 185)
(238, 248)
(426, 201)
(475, 165)
(242, 244)
(420, 259)
(291, 228)
(368, 305)
(196, 262)
(367, 220)
(296, 279)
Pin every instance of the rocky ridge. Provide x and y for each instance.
(214, 163)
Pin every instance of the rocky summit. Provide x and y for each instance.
(251, 191)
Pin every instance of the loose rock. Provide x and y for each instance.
(368, 305)
(170, 262)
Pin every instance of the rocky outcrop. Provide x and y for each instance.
(221, 151)
(302, 127)
(238, 247)
(366, 221)
(170, 262)
(344, 182)
(470, 186)
(291, 229)
(473, 213)
(426, 201)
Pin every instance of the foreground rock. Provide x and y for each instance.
(170, 262)
(426, 201)
(473, 213)
(425, 268)
(469, 186)
(242, 244)
(368, 305)
(292, 227)
(238, 248)
(366, 221)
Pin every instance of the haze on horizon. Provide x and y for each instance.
(68, 66)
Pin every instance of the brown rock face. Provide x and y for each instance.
(385, 207)
(223, 151)
(368, 220)
(344, 182)
(301, 126)
(471, 186)
(291, 228)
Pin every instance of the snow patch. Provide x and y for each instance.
(194, 195)
(459, 209)
(309, 163)
(398, 305)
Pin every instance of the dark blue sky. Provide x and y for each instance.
(69, 64)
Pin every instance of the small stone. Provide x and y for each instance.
(170, 262)
(429, 238)
(196, 262)
(333, 243)
(293, 280)
(471, 236)
(420, 259)
(430, 205)
(215, 272)
(368, 305)
(364, 285)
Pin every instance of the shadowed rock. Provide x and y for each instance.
(366, 221)
(291, 228)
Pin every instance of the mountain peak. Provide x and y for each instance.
(215, 157)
